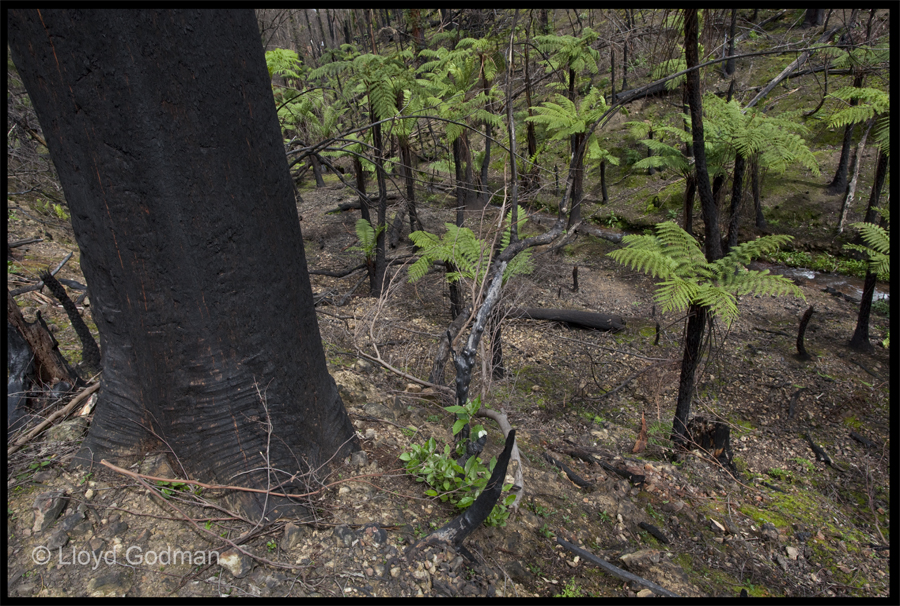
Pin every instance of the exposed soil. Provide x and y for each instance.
(785, 524)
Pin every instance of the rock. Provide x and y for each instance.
(413, 388)
(363, 366)
(44, 476)
(518, 573)
(158, 466)
(114, 583)
(792, 552)
(344, 536)
(782, 561)
(72, 520)
(57, 539)
(68, 431)
(640, 559)
(673, 506)
(371, 533)
(355, 390)
(235, 562)
(379, 411)
(47, 507)
(645, 593)
(358, 459)
(293, 535)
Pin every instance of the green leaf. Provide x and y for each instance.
(431, 493)
(456, 409)
(457, 427)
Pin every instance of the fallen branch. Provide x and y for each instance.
(864, 440)
(19, 243)
(49, 420)
(40, 285)
(615, 570)
(573, 477)
(414, 379)
(138, 476)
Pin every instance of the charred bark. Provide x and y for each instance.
(692, 341)
(177, 241)
(860, 340)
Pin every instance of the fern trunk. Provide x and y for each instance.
(880, 172)
(838, 184)
(737, 194)
(693, 339)
(860, 340)
(531, 178)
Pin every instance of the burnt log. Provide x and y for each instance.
(574, 477)
(821, 455)
(571, 317)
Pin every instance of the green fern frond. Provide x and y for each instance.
(686, 278)
(367, 237)
(878, 247)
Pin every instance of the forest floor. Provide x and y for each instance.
(785, 524)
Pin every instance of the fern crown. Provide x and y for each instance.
(460, 247)
(687, 278)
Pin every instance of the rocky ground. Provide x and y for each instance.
(785, 524)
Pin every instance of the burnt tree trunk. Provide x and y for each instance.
(757, 201)
(184, 211)
(576, 173)
(690, 191)
(694, 94)
(380, 253)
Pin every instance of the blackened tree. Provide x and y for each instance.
(164, 133)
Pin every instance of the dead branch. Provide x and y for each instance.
(615, 570)
(49, 420)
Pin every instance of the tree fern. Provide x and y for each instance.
(686, 278)
(367, 236)
(460, 247)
